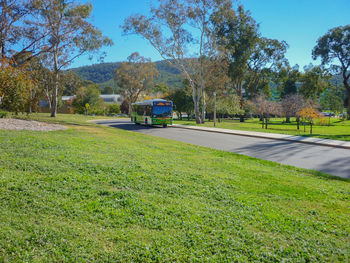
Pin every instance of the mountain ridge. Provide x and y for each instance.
(103, 74)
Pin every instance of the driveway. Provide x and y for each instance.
(326, 159)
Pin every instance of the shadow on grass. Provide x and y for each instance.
(127, 125)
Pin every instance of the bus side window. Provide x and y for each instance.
(139, 110)
(149, 110)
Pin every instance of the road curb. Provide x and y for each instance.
(273, 136)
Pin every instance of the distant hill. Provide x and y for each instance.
(102, 74)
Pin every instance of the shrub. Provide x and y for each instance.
(113, 109)
(323, 121)
(3, 114)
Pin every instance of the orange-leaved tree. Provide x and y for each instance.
(15, 88)
(309, 113)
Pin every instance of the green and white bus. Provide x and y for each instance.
(152, 112)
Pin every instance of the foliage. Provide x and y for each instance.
(12, 26)
(113, 109)
(335, 46)
(182, 101)
(66, 34)
(332, 99)
(70, 82)
(265, 60)
(266, 108)
(315, 81)
(228, 104)
(88, 99)
(309, 113)
(236, 34)
(15, 89)
(291, 105)
(3, 114)
(107, 90)
(135, 77)
(287, 79)
(160, 88)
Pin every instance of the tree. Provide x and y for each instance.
(15, 89)
(70, 82)
(228, 104)
(160, 90)
(237, 35)
(332, 99)
(167, 30)
(335, 46)
(291, 105)
(87, 98)
(309, 113)
(265, 109)
(135, 77)
(288, 78)
(108, 90)
(216, 79)
(182, 101)
(11, 23)
(266, 58)
(67, 35)
(315, 81)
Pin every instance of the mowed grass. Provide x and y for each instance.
(334, 129)
(93, 193)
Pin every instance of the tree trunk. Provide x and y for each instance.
(129, 111)
(348, 106)
(263, 121)
(55, 89)
(54, 97)
(311, 127)
(347, 87)
(214, 108)
(298, 123)
(240, 94)
(203, 107)
(287, 119)
(196, 99)
(196, 110)
(266, 122)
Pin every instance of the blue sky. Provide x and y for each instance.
(299, 22)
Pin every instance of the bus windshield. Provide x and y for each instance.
(162, 111)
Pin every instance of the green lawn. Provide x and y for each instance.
(93, 193)
(337, 130)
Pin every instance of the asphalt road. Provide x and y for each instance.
(329, 160)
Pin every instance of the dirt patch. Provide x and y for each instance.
(17, 124)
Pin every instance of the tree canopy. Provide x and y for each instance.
(334, 46)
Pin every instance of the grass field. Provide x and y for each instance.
(338, 129)
(93, 193)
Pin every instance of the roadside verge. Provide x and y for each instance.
(274, 136)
